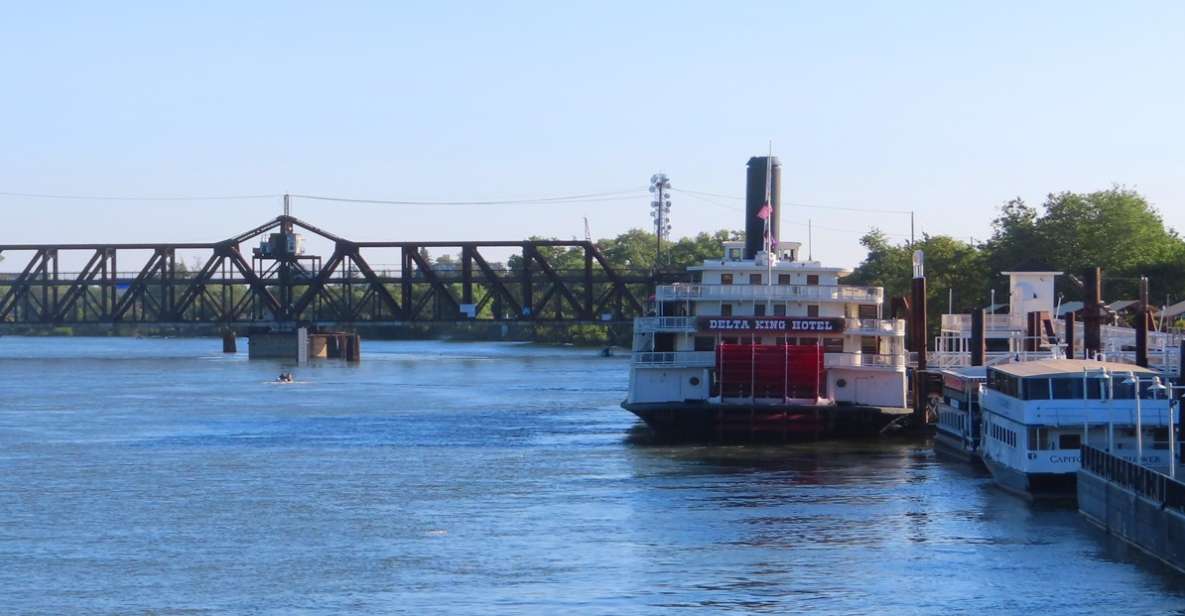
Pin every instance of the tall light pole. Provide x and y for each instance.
(660, 211)
(1174, 400)
(1134, 380)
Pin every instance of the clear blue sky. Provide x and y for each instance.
(947, 108)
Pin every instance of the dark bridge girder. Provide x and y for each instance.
(547, 281)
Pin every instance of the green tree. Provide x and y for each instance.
(953, 268)
(1115, 229)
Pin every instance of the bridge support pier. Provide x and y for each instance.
(287, 346)
(229, 344)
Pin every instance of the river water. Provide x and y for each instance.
(160, 476)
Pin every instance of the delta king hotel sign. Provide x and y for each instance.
(769, 325)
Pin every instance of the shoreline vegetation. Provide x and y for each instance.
(1115, 229)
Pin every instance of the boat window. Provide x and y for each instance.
(812, 310)
(1036, 389)
(867, 311)
(754, 278)
(833, 345)
(725, 278)
(705, 343)
(1121, 391)
(726, 310)
(779, 310)
(1067, 388)
(759, 310)
(1094, 389)
(869, 345)
(783, 278)
(1146, 391)
(812, 279)
(1069, 441)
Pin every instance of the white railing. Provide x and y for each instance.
(645, 325)
(883, 327)
(676, 359)
(758, 292)
(861, 360)
(962, 322)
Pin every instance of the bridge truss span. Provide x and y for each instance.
(535, 281)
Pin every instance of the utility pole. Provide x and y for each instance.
(660, 210)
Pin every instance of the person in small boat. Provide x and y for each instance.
(285, 377)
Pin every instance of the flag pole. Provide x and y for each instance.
(768, 208)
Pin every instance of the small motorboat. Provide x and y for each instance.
(285, 377)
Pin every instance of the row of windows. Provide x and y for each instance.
(951, 419)
(812, 310)
(1068, 387)
(1002, 434)
(811, 279)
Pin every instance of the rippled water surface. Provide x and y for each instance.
(160, 476)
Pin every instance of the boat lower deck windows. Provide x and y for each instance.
(1069, 441)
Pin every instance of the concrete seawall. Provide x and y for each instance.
(1138, 520)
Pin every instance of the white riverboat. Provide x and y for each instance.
(1038, 414)
(763, 342)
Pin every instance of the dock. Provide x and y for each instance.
(1142, 506)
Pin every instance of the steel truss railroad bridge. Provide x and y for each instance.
(281, 286)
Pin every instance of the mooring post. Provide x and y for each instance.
(918, 334)
(1070, 322)
(1142, 324)
(1092, 314)
(977, 337)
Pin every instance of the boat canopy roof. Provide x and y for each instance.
(1053, 367)
(967, 372)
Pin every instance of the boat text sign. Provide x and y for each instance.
(799, 325)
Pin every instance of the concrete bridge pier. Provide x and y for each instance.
(301, 345)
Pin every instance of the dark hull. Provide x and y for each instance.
(1034, 486)
(703, 421)
(952, 446)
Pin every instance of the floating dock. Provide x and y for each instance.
(1142, 506)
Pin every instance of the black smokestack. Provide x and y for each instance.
(755, 198)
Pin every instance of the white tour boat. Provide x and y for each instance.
(1038, 414)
